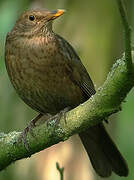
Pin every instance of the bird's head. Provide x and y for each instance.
(36, 21)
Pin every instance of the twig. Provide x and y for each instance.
(61, 171)
(127, 34)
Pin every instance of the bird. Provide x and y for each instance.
(49, 76)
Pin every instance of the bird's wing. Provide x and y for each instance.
(76, 70)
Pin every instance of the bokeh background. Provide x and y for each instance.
(94, 28)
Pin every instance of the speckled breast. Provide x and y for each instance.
(37, 71)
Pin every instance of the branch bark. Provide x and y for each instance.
(105, 102)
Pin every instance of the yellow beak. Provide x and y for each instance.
(55, 14)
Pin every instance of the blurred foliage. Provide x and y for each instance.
(94, 29)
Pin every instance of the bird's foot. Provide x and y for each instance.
(58, 116)
(32, 124)
(29, 128)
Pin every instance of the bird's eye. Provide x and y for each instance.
(31, 18)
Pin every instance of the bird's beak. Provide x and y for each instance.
(54, 14)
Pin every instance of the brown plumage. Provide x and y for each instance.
(49, 76)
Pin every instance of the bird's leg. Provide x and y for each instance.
(31, 125)
(33, 122)
(58, 116)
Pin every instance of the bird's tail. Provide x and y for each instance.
(103, 153)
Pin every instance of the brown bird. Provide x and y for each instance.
(49, 76)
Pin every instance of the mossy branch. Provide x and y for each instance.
(105, 102)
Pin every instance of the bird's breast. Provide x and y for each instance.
(37, 71)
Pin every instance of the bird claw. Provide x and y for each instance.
(23, 137)
(58, 116)
(29, 128)
(31, 125)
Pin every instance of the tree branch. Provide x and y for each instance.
(105, 102)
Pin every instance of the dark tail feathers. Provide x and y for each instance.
(103, 153)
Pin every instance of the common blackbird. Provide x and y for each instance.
(49, 76)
